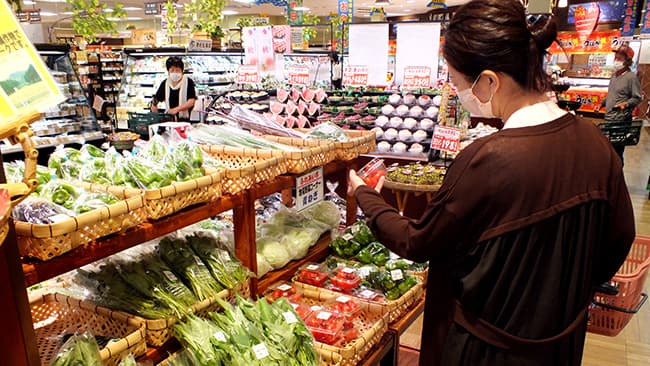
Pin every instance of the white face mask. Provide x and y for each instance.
(175, 76)
(473, 104)
(618, 65)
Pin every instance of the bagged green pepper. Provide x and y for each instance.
(66, 162)
(89, 201)
(88, 150)
(374, 253)
(61, 193)
(361, 233)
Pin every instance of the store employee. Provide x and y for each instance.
(177, 91)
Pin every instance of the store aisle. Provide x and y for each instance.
(632, 346)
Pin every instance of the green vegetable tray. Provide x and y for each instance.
(159, 331)
(360, 142)
(46, 241)
(297, 162)
(394, 308)
(57, 315)
(241, 172)
(167, 200)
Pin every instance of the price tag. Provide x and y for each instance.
(446, 139)
(294, 306)
(355, 229)
(364, 272)
(367, 294)
(392, 255)
(309, 189)
(170, 276)
(248, 74)
(348, 270)
(312, 267)
(219, 336)
(324, 315)
(417, 77)
(355, 76)
(342, 299)
(58, 218)
(260, 351)
(298, 75)
(284, 287)
(315, 308)
(204, 45)
(397, 275)
(347, 237)
(289, 317)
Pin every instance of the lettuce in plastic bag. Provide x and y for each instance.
(326, 212)
(274, 252)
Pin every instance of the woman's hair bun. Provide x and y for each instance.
(543, 30)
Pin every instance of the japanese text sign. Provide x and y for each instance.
(309, 188)
(446, 139)
(298, 75)
(200, 45)
(248, 74)
(417, 77)
(355, 75)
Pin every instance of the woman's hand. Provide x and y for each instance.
(173, 111)
(354, 182)
(154, 108)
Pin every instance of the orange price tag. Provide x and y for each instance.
(417, 77)
(298, 75)
(248, 74)
(446, 139)
(355, 75)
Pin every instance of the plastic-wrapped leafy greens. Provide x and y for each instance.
(79, 350)
(328, 131)
(89, 201)
(66, 162)
(129, 360)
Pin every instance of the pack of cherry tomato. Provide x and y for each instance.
(313, 274)
(283, 289)
(344, 279)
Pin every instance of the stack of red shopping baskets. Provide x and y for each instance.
(609, 314)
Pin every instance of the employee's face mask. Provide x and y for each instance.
(473, 104)
(175, 76)
(618, 65)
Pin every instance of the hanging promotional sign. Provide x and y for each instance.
(629, 18)
(282, 38)
(586, 19)
(346, 10)
(645, 24)
(355, 76)
(417, 77)
(258, 46)
(294, 16)
(610, 11)
(298, 75)
(446, 139)
(602, 42)
(200, 45)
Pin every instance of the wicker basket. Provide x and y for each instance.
(394, 308)
(389, 184)
(159, 331)
(371, 322)
(303, 144)
(56, 314)
(242, 172)
(46, 241)
(174, 197)
(360, 142)
(297, 162)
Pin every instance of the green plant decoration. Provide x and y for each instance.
(207, 15)
(340, 31)
(16, 5)
(309, 32)
(89, 18)
(172, 17)
(248, 22)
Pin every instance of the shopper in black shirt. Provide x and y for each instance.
(177, 91)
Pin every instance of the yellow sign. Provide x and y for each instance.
(144, 37)
(25, 82)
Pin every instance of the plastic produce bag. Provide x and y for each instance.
(328, 131)
(88, 150)
(148, 174)
(61, 193)
(275, 253)
(79, 350)
(89, 201)
(36, 210)
(129, 360)
(187, 159)
(263, 266)
(66, 162)
(326, 212)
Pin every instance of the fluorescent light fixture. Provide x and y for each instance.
(29, 2)
(133, 18)
(108, 10)
(67, 13)
(48, 14)
(562, 4)
(229, 12)
(131, 8)
(245, 1)
(301, 8)
(382, 2)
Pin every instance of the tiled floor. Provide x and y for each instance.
(632, 346)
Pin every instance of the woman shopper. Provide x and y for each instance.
(527, 220)
(177, 91)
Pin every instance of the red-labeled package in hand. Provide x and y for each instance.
(371, 172)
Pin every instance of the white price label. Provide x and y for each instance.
(312, 267)
(397, 275)
(58, 218)
(219, 336)
(347, 237)
(260, 351)
(392, 255)
(170, 276)
(364, 272)
(347, 270)
(407, 261)
(367, 294)
(295, 306)
(324, 315)
(315, 308)
(309, 189)
(355, 229)
(289, 317)
(342, 299)
(284, 287)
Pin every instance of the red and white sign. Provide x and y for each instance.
(355, 76)
(248, 74)
(417, 77)
(586, 19)
(298, 75)
(446, 139)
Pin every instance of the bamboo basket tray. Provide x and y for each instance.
(159, 331)
(46, 241)
(242, 172)
(56, 314)
(174, 197)
(297, 162)
(361, 142)
(371, 322)
(394, 308)
(330, 153)
(389, 184)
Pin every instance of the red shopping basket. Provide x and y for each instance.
(609, 314)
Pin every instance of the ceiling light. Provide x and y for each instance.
(562, 4)
(229, 12)
(48, 14)
(382, 2)
(301, 8)
(108, 10)
(133, 18)
(67, 13)
(131, 8)
(245, 1)
(29, 2)
(51, 1)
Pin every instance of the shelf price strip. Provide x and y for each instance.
(355, 76)
(309, 188)
(299, 75)
(446, 139)
(417, 77)
(248, 74)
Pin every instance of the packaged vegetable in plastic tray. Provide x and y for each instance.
(393, 283)
(353, 239)
(36, 210)
(371, 172)
(374, 253)
(326, 326)
(313, 274)
(345, 279)
(283, 289)
(346, 306)
(301, 309)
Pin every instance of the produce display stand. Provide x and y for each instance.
(403, 190)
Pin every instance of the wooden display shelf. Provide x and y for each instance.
(411, 315)
(384, 352)
(156, 355)
(37, 271)
(317, 253)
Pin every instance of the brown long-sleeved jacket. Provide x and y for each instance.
(526, 222)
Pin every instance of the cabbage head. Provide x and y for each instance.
(274, 252)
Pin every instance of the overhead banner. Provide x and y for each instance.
(346, 10)
(602, 42)
(628, 22)
(258, 47)
(25, 82)
(418, 45)
(369, 46)
(294, 16)
(645, 24)
(610, 11)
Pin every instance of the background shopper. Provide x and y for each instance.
(337, 71)
(527, 220)
(177, 91)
